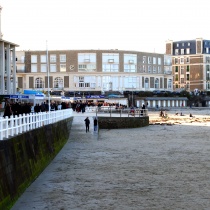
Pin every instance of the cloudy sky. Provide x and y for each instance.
(141, 25)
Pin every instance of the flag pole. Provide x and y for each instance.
(48, 77)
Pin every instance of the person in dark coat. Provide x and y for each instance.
(95, 123)
(7, 111)
(87, 124)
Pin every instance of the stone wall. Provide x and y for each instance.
(122, 122)
(24, 157)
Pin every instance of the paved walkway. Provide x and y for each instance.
(150, 168)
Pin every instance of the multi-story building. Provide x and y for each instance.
(190, 63)
(93, 71)
(7, 64)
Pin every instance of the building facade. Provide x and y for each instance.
(190, 64)
(7, 65)
(93, 71)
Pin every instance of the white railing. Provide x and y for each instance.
(120, 112)
(15, 125)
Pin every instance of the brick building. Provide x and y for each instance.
(190, 64)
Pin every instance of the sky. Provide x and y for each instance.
(138, 25)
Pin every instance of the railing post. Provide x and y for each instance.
(6, 126)
(1, 128)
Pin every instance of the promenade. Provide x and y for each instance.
(157, 167)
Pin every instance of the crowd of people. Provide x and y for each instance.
(17, 108)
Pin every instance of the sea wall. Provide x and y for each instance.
(122, 122)
(24, 157)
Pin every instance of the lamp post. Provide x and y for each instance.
(132, 96)
(48, 77)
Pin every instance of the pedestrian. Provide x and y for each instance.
(87, 124)
(95, 123)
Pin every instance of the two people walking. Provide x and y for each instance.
(87, 124)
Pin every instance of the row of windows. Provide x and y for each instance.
(92, 68)
(182, 51)
(183, 44)
(181, 60)
(91, 58)
(84, 82)
(182, 69)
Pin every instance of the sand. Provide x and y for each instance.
(159, 167)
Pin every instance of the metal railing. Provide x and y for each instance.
(18, 124)
(112, 111)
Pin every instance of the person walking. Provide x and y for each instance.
(95, 123)
(87, 124)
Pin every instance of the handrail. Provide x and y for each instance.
(112, 110)
(18, 124)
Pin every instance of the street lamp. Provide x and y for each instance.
(48, 77)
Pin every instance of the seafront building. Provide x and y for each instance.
(7, 65)
(93, 71)
(190, 64)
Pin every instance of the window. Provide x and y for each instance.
(188, 68)
(177, 44)
(58, 82)
(130, 62)
(149, 60)
(176, 60)
(181, 60)
(110, 62)
(207, 59)
(182, 51)
(39, 83)
(159, 61)
(33, 68)
(146, 83)
(149, 69)
(110, 67)
(188, 44)
(176, 69)
(43, 68)
(156, 83)
(144, 68)
(182, 44)
(52, 67)
(154, 60)
(43, 59)
(144, 59)
(63, 58)
(176, 51)
(86, 62)
(33, 58)
(81, 79)
(188, 51)
(188, 76)
(159, 69)
(182, 80)
(187, 59)
(169, 84)
(176, 77)
(182, 69)
(52, 58)
(63, 68)
(207, 50)
(154, 69)
(129, 68)
(86, 67)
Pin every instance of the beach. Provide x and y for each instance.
(162, 166)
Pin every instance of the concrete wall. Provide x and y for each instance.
(24, 157)
(122, 122)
